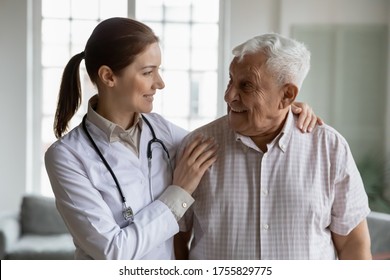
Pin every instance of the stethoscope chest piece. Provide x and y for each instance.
(128, 213)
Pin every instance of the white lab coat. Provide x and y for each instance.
(90, 204)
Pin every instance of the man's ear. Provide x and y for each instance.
(106, 76)
(290, 92)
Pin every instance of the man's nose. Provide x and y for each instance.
(231, 94)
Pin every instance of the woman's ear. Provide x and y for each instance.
(106, 76)
(290, 92)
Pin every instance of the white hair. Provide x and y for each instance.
(287, 58)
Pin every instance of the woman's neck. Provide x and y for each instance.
(115, 115)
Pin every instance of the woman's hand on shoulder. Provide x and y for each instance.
(192, 163)
(307, 119)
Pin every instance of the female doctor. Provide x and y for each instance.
(118, 183)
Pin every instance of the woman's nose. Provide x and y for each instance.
(159, 83)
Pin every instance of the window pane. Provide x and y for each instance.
(81, 30)
(109, 8)
(51, 87)
(55, 31)
(177, 35)
(47, 131)
(205, 11)
(176, 94)
(204, 59)
(87, 88)
(77, 48)
(177, 10)
(207, 83)
(149, 10)
(189, 42)
(56, 8)
(85, 9)
(54, 55)
(176, 58)
(156, 27)
(204, 35)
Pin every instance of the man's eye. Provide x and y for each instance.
(246, 85)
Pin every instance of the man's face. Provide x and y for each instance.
(253, 97)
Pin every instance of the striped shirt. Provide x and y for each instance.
(282, 204)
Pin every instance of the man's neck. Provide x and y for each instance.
(263, 139)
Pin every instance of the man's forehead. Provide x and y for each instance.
(249, 63)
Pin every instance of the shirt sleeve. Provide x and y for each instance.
(350, 205)
(177, 199)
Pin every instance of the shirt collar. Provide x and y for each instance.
(112, 130)
(285, 135)
(282, 139)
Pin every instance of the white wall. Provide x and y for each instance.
(248, 18)
(332, 11)
(13, 105)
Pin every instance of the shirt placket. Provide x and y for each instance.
(265, 219)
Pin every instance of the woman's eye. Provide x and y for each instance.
(148, 73)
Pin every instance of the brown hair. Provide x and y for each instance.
(114, 42)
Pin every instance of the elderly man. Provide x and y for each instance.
(274, 192)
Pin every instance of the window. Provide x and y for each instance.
(188, 32)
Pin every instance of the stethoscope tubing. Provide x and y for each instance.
(128, 212)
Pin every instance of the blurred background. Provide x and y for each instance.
(348, 85)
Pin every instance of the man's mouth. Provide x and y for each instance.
(235, 110)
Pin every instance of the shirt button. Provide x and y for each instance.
(266, 226)
(184, 205)
(282, 146)
(265, 192)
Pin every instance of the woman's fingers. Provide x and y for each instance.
(307, 119)
(198, 155)
(199, 152)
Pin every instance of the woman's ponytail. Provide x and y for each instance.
(69, 97)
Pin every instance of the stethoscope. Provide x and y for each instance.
(127, 211)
